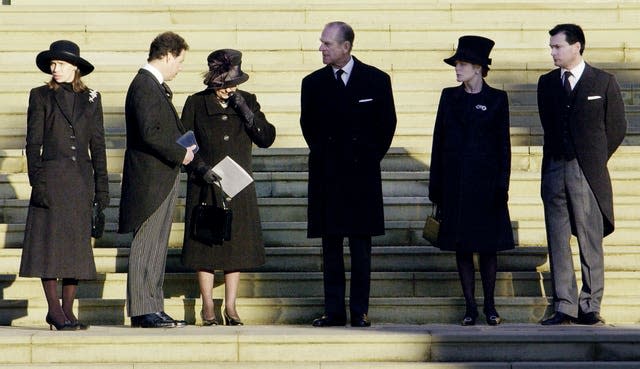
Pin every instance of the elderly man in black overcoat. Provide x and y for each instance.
(348, 120)
(152, 163)
(582, 114)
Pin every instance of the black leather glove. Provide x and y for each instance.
(39, 195)
(240, 105)
(101, 200)
(210, 177)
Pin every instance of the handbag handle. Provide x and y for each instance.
(203, 194)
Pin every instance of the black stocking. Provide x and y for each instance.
(50, 286)
(69, 289)
(488, 268)
(466, 271)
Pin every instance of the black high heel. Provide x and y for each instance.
(492, 316)
(231, 321)
(470, 317)
(207, 322)
(79, 325)
(65, 326)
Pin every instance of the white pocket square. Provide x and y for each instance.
(594, 97)
(365, 100)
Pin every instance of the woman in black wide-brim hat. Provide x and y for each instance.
(67, 169)
(226, 122)
(469, 173)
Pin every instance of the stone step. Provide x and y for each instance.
(309, 284)
(395, 209)
(296, 310)
(385, 258)
(433, 346)
(398, 233)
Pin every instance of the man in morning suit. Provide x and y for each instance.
(348, 120)
(582, 114)
(150, 179)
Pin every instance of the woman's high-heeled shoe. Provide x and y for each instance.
(470, 317)
(65, 326)
(492, 316)
(207, 322)
(231, 321)
(79, 325)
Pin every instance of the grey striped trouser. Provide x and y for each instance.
(148, 257)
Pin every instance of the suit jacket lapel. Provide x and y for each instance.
(584, 86)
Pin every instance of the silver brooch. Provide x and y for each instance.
(481, 107)
(92, 95)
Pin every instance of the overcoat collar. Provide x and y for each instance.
(71, 113)
(163, 93)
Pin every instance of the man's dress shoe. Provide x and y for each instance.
(360, 320)
(329, 321)
(178, 323)
(153, 320)
(559, 319)
(590, 318)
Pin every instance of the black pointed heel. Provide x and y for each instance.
(65, 326)
(231, 321)
(207, 322)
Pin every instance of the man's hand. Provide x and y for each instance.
(188, 157)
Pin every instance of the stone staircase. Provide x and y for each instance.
(416, 300)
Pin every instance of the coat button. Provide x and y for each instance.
(73, 158)
(73, 147)
(226, 138)
(224, 117)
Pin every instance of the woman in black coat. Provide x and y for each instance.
(67, 168)
(470, 170)
(226, 122)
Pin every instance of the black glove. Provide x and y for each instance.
(210, 177)
(39, 195)
(101, 199)
(240, 105)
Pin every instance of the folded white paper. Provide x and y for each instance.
(233, 177)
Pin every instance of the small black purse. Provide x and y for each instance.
(97, 222)
(210, 224)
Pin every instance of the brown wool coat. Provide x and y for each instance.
(68, 172)
(221, 132)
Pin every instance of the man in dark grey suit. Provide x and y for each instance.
(348, 120)
(150, 179)
(582, 114)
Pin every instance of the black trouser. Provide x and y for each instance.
(334, 275)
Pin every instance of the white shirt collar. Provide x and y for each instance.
(156, 73)
(347, 70)
(576, 72)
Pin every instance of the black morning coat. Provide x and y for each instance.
(348, 132)
(597, 125)
(152, 159)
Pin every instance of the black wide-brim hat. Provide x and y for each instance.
(472, 49)
(63, 50)
(225, 69)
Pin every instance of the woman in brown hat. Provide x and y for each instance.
(469, 173)
(226, 122)
(67, 169)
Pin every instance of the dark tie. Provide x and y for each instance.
(339, 79)
(167, 90)
(566, 84)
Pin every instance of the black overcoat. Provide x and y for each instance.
(470, 170)
(152, 159)
(221, 132)
(597, 127)
(348, 131)
(67, 169)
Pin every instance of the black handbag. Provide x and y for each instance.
(211, 224)
(97, 222)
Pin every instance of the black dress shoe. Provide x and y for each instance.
(559, 319)
(360, 320)
(153, 320)
(470, 317)
(329, 321)
(178, 323)
(492, 316)
(590, 318)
